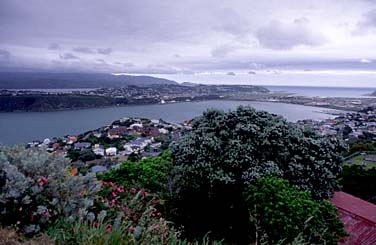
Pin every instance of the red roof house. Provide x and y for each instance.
(359, 217)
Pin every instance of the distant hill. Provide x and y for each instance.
(36, 80)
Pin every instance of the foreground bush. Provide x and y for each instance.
(281, 212)
(149, 173)
(36, 188)
(85, 232)
(131, 207)
(226, 152)
(11, 237)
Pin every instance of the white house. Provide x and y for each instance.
(111, 151)
(98, 151)
(136, 125)
(163, 131)
(138, 144)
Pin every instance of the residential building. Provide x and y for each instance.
(111, 151)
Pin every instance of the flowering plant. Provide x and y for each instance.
(130, 207)
(36, 188)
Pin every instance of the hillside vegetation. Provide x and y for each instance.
(239, 177)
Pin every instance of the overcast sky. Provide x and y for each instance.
(188, 37)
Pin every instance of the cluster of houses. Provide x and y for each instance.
(107, 146)
(352, 126)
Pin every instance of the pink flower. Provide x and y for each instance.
(109, 228)
(133, 190)
(135, 218)
(112, 203)
(113, 194)
(42, 181)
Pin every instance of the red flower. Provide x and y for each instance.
(135, 218)
(109, 228)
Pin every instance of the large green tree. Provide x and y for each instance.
(226, 152)
(281, 212)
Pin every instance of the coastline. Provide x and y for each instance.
(198, 100)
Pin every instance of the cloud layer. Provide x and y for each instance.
(148, 36)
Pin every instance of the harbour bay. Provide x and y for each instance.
(23, 127)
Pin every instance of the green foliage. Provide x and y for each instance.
(362, 146)
(36, 188)
(88, 233)
(87, 155)
(150, 173)
(120, 216)
(359, 182)
(84, 155)
(225, 152)
(280, 211)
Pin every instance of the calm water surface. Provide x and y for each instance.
(23, 127)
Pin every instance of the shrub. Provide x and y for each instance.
(149, 173)
(11, 237)
(225, 152)
(86, 232)
(36, 188)
(121, 215)
(281, 212)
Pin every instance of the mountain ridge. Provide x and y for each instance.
(44, 80)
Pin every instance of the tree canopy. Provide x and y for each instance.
(226, 152)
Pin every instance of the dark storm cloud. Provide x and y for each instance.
(84, 50)
(104, 51)
(277, 35)
(54, 46)
(68, 56)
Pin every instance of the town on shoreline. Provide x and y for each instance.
(135, 138)
(53, 100)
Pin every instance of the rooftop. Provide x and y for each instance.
(358, 216)
(354, 205)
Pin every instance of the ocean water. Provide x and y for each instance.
(24, 127)
(350, 92)
(310, 83)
